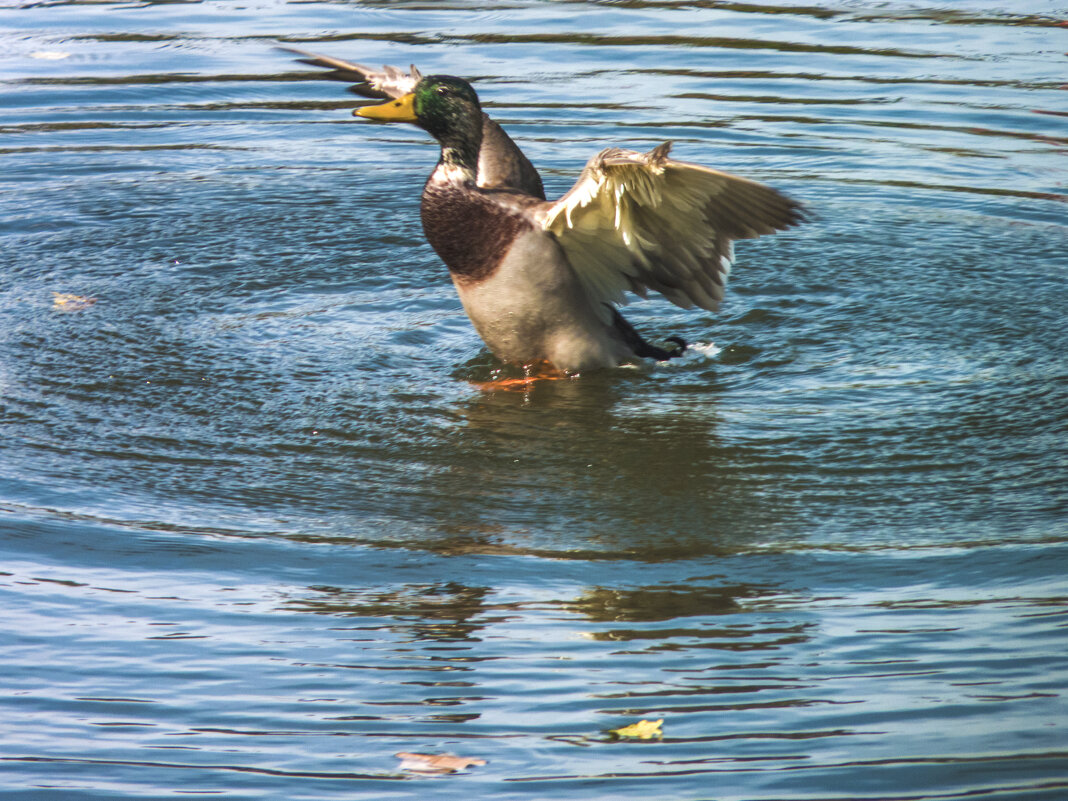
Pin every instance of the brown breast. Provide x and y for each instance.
(470, 229)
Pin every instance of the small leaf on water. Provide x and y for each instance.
(435, 763)
(643, 730)
(68, 302)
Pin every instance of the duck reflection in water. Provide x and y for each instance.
(445, 612)
(594, 470)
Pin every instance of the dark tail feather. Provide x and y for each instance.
(642, 348)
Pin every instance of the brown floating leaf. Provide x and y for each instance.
(68, 302)
(435, 763)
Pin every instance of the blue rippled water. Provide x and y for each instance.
(260, 530)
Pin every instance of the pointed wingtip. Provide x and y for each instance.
(658, 155)
(305, 56)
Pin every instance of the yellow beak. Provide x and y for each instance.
(399, 110)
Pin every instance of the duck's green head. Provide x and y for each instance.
(443, 106)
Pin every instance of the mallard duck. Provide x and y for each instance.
(541, 279)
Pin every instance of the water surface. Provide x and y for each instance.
(260, 530)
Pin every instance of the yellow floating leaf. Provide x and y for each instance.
(642, 730)
(68, 302)
(435, 763)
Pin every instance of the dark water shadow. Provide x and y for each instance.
(606, 466)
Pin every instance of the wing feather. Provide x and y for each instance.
(388, 82)
(642, 221)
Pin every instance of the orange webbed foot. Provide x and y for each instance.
(532, 374)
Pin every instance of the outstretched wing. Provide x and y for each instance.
(640, 221)
(501, 164)
(388, 82)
